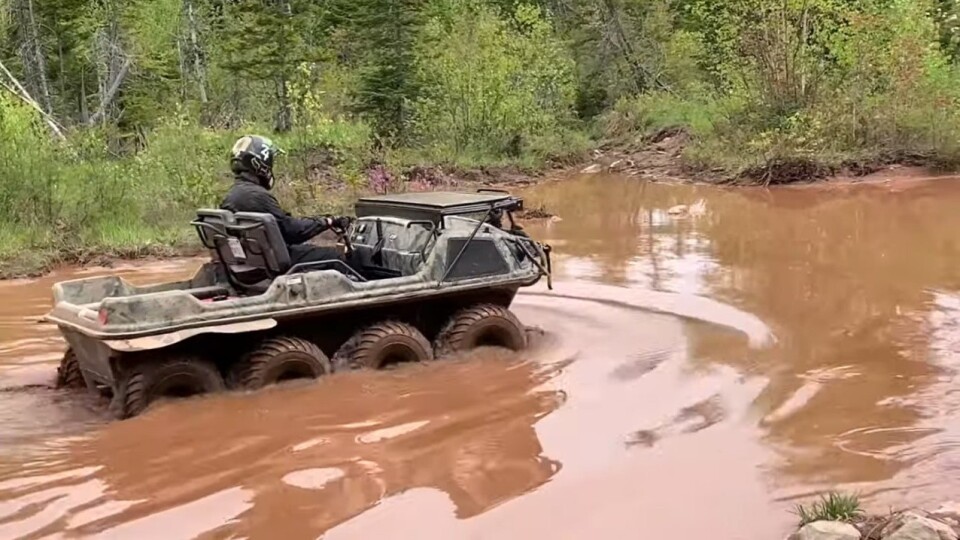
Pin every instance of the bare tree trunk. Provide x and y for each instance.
(84, 113)
(106, 99)
(182, 52)
(12, 85)
(31, 54)
(196, 53)
(284, 120)
(617, 36)
(112, 65)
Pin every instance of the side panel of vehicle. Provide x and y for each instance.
(93, 356)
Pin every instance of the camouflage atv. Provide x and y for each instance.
(433, 274)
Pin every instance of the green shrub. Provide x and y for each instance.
(830, 507)
(488, 87)
(699, 112)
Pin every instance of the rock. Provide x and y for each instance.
(948, 513)
(950, 510)
(698, 208)
(592, 169)
(827, 530)
(616, 165)
(913, 526)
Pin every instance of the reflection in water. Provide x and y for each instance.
(478, 446)
(845, 279)
(620, 429)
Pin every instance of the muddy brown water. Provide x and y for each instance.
(701, 372)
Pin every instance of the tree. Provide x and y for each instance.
(388, 30)
(266, 40)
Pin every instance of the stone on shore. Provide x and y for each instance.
(827, 530)
(948, 513)
(914, 526)
(592, 169)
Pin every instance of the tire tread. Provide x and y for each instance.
(450, 339)
(249, 371)
(355, 353)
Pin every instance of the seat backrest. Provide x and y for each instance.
(261, 243)
(251, 248)
(211, 223)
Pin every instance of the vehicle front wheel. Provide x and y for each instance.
(153, 379)
(383, 344)
(68, 373)
(276, 360)
(481, 325)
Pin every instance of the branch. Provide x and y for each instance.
(22, 93)
(111, 93)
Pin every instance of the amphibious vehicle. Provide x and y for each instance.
(431, 274)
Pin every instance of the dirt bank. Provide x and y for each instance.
(40, 262)
(659, 157)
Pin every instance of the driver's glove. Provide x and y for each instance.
(340, 223)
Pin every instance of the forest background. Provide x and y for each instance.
(116, 116)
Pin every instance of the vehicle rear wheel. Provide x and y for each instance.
(154, 379)
(279, 359)
(481, 325)
(383, 344)
(68, 373)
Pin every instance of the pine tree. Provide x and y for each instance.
(388, 30)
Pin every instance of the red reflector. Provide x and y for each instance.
(102, 317)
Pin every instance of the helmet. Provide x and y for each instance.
(255, 154)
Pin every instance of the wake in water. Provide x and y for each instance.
(686, 306)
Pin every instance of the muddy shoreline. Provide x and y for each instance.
(658, 158)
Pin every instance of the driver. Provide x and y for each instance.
(252, 166)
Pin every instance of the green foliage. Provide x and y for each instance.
(818, 82)
(469, 83)
(489, 86)
(831, 507)
(77, 195)
(655, 111)
(389, 29)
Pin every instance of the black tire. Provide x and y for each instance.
(152, 379)
(278, 359)
(383, 344)
(69, 376)
(478, 326)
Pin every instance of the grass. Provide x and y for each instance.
(833, 506)
(83, 199)
(563, 146)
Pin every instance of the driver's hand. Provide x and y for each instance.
(340, 223)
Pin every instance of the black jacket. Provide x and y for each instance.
(247, 195)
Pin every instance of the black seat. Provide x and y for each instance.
(209, 222)
(253, 252)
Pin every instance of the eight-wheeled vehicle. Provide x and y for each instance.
(431, 274)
